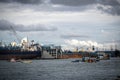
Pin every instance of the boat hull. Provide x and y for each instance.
(4, 55)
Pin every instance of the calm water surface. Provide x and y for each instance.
(60, 69)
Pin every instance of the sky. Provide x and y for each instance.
(69, 23)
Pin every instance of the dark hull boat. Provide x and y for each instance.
(16, 54)
(24, 50)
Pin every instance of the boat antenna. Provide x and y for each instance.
(15, 33)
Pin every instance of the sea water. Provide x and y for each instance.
(60, 69)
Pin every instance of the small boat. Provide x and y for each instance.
(26, 61)
(76, 61)
(12, 60)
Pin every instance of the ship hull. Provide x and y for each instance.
(6, 55)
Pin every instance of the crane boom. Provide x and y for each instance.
(15, 33)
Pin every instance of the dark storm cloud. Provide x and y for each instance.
(74, 36)
(66, 2)
(114, 8)
(106, 6)
(22, 1)
(6, 26)
(109, 2)
(73, 2)
(68, 5)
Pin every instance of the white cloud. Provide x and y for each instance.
(72, 44)
(77, 43)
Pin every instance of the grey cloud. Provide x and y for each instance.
(73, 3)
(5, 26)
(37, 27)
(61, 2)
(65, 5)
(85, 2)
(109, 2)
(22, 1)
(114, 8)
(74, 36)
(6, 1)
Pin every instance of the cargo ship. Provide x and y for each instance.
(24, 49)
